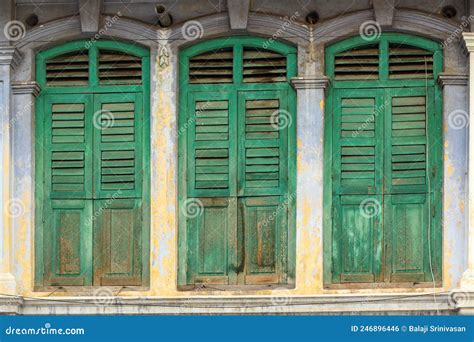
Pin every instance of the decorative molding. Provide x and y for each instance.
(89, 12)
(278, 28)
(384, 10)
(26, 87)
(341, 26)
(394, 304)
(9, 55)
(238, 13)
(453, 79)
(310, 82)
(70, 28)
(431, 26)
(468, 38)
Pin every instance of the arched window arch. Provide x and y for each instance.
(383, 153)
(92, 165)
(237, 144)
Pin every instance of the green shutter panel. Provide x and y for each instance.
(264, 121)
(407, 201)
(118, 242)
(211, 237)
(67, 208)
(211, 128)
(357, 186)
(209, 209)
(118, 171)
(263, 224)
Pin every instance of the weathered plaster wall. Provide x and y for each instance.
(164, 170)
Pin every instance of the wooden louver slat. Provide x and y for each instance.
(260, 66)
(212, 67)
(409, 144)
(68, 153)
(70, 69)
(212, 145)
(116, 67)
(262, 161)
(407, 62)
(361, 63)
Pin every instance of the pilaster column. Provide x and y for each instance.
(467, 281)
(310, 152)
(9, 58)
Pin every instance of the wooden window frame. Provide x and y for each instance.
(185, 87)
(383, 82)
(93, 87)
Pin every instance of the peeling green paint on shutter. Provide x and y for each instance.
(383, 179)
(235, 226)
(92, 213)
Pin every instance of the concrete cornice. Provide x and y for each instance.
(468, 38)
(10, 55)
(394, 304)
(453, 79)
(420, 22)
(310, 82)
(28, 87)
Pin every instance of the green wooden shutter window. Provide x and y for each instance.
(384, 179)
(239, 174)
(92, 212)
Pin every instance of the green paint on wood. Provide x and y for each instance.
(238, 155)
(382, 223)
(92, 212)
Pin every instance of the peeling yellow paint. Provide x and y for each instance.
(321, 104)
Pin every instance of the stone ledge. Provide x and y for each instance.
(310, 82)
(413, 304)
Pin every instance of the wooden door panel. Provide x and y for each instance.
(118, 242)
(263, 226)
(211, 237)
(67, 240)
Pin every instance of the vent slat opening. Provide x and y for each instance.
(68, 69)
(263, 66)
(407, 62)
(361, 63)
(116, 67)
(212, 67)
